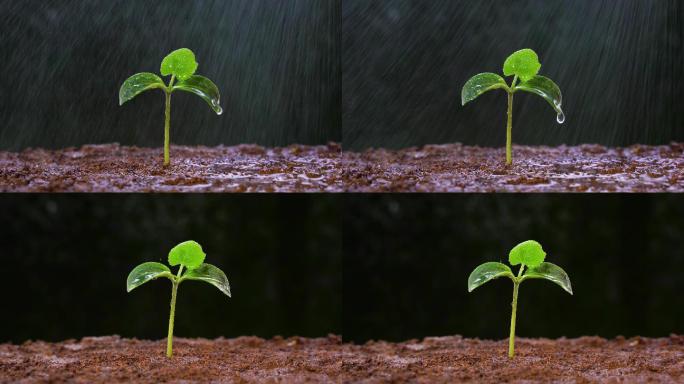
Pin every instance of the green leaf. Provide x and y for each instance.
(204, 88)
(188, 253)
(546, 88)
(488, 271)
(479, 84)
(529, 253)
(146, 272)
(180, 63)
(523, 63)
(139, 83)
(550, 272)
(209, 274)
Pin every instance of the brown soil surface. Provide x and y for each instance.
(297, 168)
(297, 360)
(115, 168)
(459, 168)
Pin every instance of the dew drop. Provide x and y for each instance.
(560, 118)
(217, 107)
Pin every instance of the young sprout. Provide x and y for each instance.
(523, 65)
(529, 254)
(189, 256)
(181, 65)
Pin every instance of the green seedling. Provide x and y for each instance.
(523, 65)
(189, 256)
(180, 65)
(530, 255)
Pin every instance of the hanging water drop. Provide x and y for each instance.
(216, 106)
(560, 118)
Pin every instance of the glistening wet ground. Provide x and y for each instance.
(460, 168)
(115, 168)
(299, 168)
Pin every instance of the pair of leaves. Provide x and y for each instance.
(525, 65)
(182, 65)
(493, 270)
(188, 254)
(152, 270)
(528, 253)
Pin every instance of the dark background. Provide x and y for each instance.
(66, 259)
(618, 63)
(407, 261)
(276, 63)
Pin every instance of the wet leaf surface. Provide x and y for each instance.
(479, 84)
(487, 272)
(550, 272)
(204, 88)
(146, 272)
(210, 274)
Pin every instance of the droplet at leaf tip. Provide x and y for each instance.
(204, 88)
(544, 87)
(560, 118)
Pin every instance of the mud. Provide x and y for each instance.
(115, 168)
(298, 360)
(297, 168)
(459, 168)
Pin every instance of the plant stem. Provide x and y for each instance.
(509, 123)
(167, 122)
(511, 337)
(174, 292)
(514, 304)
(509, 129)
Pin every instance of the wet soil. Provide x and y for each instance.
(298, 360)
(298, 168)
(459, 168)
(115, 168)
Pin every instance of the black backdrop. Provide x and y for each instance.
(618, 64)
(369, 267)
(275, 62)
(65, 261)
(407, 261)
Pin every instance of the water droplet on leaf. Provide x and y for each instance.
(560, 118)
(217, 107)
